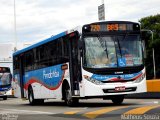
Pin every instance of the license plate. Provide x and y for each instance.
(121, 88)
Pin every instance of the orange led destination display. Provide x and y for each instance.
(95, 27)
(108, 27)
(112, 27)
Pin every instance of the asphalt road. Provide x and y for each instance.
(131, 109)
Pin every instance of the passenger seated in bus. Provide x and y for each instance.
(122, 52)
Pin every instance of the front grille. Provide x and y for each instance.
(118, 81)
(113, 71)
(129, 89)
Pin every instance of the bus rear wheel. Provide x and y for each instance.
(117, 99)
(33, 101)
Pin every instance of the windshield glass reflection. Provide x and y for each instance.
(113, 51)
(5, 76)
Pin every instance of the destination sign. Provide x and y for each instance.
(110, 27)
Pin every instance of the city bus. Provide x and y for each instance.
(5, 82)
(97, 60)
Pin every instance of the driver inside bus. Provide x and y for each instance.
(98, 61)
(102, 60)
(124, 51)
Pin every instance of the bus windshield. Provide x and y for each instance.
(5, 76)
(112, 51)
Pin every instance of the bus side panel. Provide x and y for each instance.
(16, 86)
(46, 82)
(58, 92)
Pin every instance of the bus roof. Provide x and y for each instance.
(122, 22)
(41, 43)
(63, 34)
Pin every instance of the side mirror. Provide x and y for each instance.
(146, 36)
(144, 49)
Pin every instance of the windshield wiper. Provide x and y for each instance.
(101, 41)
(106, 49)
(119, 46)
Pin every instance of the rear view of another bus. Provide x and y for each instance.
(5, 81)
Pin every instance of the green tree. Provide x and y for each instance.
(152, 23)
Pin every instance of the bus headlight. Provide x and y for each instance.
(97, 82)
(140, 78)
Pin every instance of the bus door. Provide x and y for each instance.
(74, 63)
(22, 75)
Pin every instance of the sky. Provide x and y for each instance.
(37, 20)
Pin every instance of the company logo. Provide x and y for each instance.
(50, 74)
(120, 72)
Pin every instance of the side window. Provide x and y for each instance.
(51, 52)
(65, 49)
(36, 58)
(59, 51)
(29, 60)
(47, 55)
(15, 64)
(43, 56)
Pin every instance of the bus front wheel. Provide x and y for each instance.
(69, 100)
(5, 98)
(117, 99)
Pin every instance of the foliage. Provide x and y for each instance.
(152, 23)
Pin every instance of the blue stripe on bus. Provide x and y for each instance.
(117, 77)
(41, 43)
(50, 77)
(5, 88)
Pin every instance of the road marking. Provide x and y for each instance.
(79, 108)
(71, 112)
(155, 102)
(96, 113)
(152, 102)
(75, 110)
(26, 111)
(141, 110)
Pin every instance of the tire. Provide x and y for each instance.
(5, 98)
(32, 101)
(69, 100)
(39, 101)
(117, 99)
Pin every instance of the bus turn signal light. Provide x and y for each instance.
(64, 67)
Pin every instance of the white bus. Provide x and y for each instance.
(5, 79)
(104, 60)
(6, 70)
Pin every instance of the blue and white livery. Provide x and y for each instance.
(103, 59)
